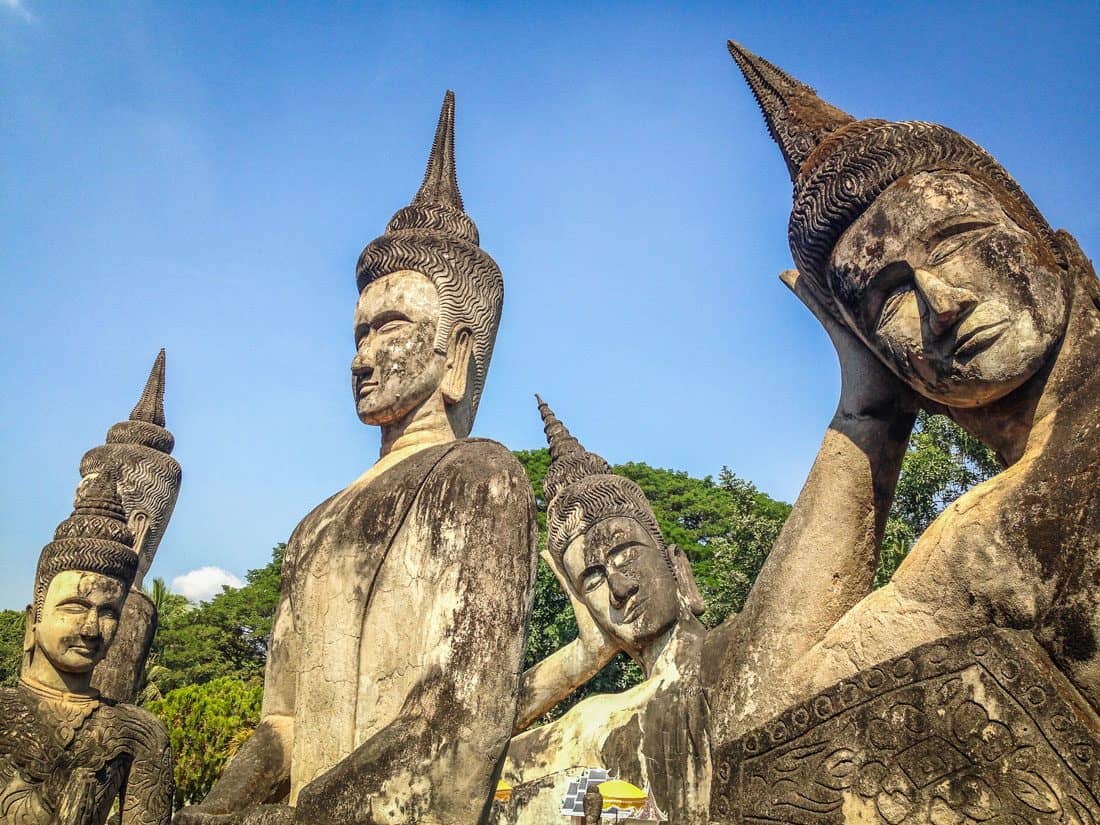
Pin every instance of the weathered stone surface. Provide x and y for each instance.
(138, 452)
(397, 645)
(980, 727)
(67, 755)
(630, 592)
(942, 287)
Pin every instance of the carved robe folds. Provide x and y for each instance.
(398, 643)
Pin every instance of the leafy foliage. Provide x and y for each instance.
(226, 636)
(11, 646)
(207, 722)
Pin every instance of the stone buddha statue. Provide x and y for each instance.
(138, 450)
(967, 688)
(634, 593)
(397, 644)
(915, 245)
(68, 754)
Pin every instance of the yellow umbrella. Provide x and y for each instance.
(621, 794)
(503, 792)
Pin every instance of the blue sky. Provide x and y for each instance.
(202, 177)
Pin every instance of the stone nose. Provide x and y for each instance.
(620, 587)
(946, 304)
(90, 626)
(362, 365)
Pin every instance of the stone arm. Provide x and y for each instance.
(548, 682)
(468, 543)
(147, 794)
(824, 560)
(260, 770)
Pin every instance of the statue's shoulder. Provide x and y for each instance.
(138, 725)
(19, 716)
(482, 459)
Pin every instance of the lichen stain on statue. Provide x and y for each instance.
(138, 451)
(67, 754)
(397, 645)
(639, 594)
(915, 244)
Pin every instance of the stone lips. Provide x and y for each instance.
(983, 713)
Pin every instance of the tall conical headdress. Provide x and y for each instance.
(139, 450)
(146, 423)
(839, 165)
(798, 120)
(569, 461)
(582, 490)
(440, 185)
(95, 538)
(433, 235)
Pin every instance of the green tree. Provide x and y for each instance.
(207, 723)
(12, 629)
(226, 636)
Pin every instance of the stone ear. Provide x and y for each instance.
(139, 526)
(28, 637)
(459, 357)
(689, 588)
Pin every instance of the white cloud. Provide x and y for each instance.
(204, 583)
(18, 8)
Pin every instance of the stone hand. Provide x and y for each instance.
(595, 642)
(868, 388)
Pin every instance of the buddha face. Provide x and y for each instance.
(949, 290)
(621, 574)
(396, 368)
(78, 621)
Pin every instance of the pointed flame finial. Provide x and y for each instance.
(560, 440)
(798, 120)
(569, 461)
(150, 407)
(440, 184)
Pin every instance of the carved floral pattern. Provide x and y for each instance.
(976, 728)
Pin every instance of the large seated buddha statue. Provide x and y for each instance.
(397, 644)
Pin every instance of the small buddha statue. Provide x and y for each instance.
(631, 592)
(67, 753)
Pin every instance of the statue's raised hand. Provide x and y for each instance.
(868, 389)
(594, 641)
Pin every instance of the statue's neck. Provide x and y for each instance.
(1020, 423)
(425, 426)
(677, 649)
(55, 687)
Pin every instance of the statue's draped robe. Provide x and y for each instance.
(399, 634)
(64, 760)
(656, 735)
